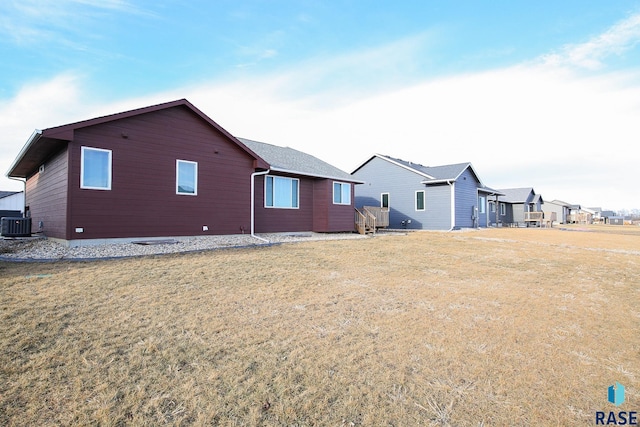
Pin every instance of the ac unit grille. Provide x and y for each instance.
(16, 227)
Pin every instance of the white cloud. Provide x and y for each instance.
(590, 55)
(30, 22)
(570, 136)
(541, 126)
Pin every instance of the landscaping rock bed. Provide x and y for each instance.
(42, 249)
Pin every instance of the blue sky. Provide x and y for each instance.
(541, 94)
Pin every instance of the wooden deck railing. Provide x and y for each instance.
(365, 222)
(381, 215)
(533, 216)
(545, 219)
(360, 221)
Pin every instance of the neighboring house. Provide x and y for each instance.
(515, 205)
(606, 215)
(597, 214)
(580, 215)
(11, 203)
(423, 197)
(168, 170)
(561, 209)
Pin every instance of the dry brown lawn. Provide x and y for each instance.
(495, 327)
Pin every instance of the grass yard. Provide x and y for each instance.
(498, 327)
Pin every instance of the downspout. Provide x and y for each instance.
(253, 203)
(453, 204)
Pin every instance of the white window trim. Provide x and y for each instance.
(503, 209)
(334, 193)
(424, 200)
(109, 165)
(388, 199)
(195, 181)
(482, 202)
(273, 198)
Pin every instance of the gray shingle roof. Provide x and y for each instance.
(285, 159)
(517, 195)
(435, 173)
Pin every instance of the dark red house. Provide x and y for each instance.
(168, 170)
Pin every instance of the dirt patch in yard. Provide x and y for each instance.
(490, 327)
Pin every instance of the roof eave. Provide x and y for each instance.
(438, 181)
(33, 139)
(294, 172)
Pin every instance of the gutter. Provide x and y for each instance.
(315, 175)
(253, 203)
(438, 181)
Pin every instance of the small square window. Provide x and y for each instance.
(341, 193)
(95, 168)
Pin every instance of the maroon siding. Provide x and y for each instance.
(142, 201)
(316, 210)
(46, 197)
(329, 217)
(276, 220)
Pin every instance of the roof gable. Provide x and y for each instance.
(289, 160)
(42, 144)
(432, 174)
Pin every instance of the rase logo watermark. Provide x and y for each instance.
(615, 395)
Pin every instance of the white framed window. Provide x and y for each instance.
(420, 200)
(186, 177)
(341, 193)
(503, 209)
(384, 200)
(95, 168)
(481, 204)
(492, 207)
(281, 192)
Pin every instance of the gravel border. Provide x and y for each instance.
(41, 249)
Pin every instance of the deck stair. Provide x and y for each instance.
(370, 218)
(365, 222)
